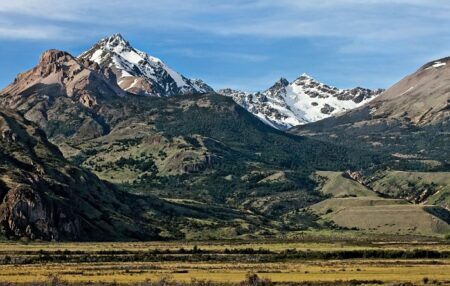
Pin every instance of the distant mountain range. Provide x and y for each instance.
(282, 106)
(302, 101)
(90, 152)
(411, 117)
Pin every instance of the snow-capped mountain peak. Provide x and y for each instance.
(304, 100)
(140, 73)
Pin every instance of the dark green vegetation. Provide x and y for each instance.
(412, 148)
(55, 199)
(196, 254)
(206, 148)
(46, 197)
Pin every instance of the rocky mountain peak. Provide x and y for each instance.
(440, 63)
(54, 56)
(282, 82)
(115, 43)
(305, 76)
(303, 101)
(140, 73)
(277, 89)
(116, 40)
(59, 78)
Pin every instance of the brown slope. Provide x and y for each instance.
(423, 97)
(409, 121)
(62, 87)
(420, 99)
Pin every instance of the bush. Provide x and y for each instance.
(252, 279)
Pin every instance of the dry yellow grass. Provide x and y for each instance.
(385, 270)
(339, 186)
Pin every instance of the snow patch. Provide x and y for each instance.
(439, 64)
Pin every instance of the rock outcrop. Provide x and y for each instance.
(42, 196)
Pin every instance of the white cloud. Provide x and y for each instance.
(202, 54)
(30, 32)
(356, 25)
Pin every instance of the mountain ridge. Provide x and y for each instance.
(140, 73)
(203, 166)
(304, 100)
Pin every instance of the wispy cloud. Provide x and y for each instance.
(410, 30)
(202, 54)
(29, 32)
(367, 20)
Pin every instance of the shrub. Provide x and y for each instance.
(253, 279)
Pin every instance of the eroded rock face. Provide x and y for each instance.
(43, 196)
(23, 213)
(26, 209)
(61, 87)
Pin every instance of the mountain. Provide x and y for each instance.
(62, 89)
(61, 73)
(302, 101)
(411, 117)
(197, 166)
(140, 73)
(42, 196)
(201, 156)
(410, 122)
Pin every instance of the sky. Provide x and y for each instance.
(242, 44)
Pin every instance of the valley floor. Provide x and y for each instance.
(320, 262)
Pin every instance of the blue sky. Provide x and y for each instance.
(246, 44)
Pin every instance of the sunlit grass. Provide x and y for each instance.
(227, 271)
(385, 270)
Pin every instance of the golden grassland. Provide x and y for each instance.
(386, 270)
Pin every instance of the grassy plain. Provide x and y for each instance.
(226, 262)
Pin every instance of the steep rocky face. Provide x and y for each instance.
(62, 88)
(81, 81)
(42, 196)
(140, 73)
(35, 198)
(305, 100)
(24, 213)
